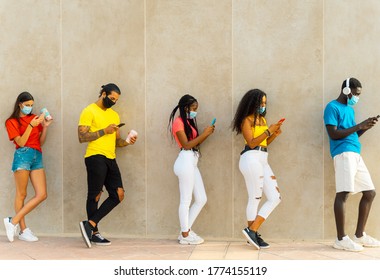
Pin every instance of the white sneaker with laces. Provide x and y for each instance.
(190, 240)
(27, 235)
(347, 244)
(194, 235)
(367, 241)
(10, 228)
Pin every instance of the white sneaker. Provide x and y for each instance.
(10, 228)
(347, 244)
(367, 241)
(196, 236)
(193, 234)
(27, 235)
(190, 240)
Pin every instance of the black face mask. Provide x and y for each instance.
(108, 103)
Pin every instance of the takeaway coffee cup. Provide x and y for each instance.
(131, 134)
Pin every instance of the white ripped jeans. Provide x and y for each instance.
(259, 178)
(190, 183)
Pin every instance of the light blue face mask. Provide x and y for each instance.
(353, 100)
(26, 110)
(192, 114)
(261, 110)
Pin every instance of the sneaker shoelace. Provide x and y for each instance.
(99, 236)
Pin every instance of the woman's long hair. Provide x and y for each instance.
(249, 105)
(184, 104)
(22, 97)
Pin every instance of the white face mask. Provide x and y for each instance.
(192, 114)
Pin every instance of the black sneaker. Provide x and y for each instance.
(86, 230)
(98, 239)
(262, 243)
(251, 237)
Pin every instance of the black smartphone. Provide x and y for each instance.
(120, 125)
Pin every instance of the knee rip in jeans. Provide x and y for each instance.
(120, 193)
(97, 198)
(278, 189)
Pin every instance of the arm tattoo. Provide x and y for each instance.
(121, 142)
(85, 135)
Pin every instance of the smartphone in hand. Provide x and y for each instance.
(213, 121)
(120, 125)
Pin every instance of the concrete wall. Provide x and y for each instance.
(299, 52)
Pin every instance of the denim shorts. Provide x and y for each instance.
(26, 158)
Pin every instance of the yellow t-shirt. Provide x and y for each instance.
(96, 118)
(258, 130)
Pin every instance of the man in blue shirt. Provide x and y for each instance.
(351, 174)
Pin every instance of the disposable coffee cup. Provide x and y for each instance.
(131, 134)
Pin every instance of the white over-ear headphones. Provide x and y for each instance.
(346, 90)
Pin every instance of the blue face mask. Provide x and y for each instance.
(192, 114)
(353, 100)
(26, 110)
(261, 110)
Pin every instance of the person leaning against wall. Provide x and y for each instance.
(184, 129)
(99, 126)
(351, 174)
(250, 121)
(28, 132)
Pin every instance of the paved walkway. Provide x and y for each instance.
(73, 248)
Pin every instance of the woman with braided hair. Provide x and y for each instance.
(185, 132)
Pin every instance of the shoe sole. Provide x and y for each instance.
(189, 243)
(22, 239)
(84, 235)
(366, 245)
(347, 249)
(370, 246)
(250, 241)
(261, 247)
(10, 238)
(101, 244)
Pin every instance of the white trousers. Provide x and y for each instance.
(190, 183)
(259, 178)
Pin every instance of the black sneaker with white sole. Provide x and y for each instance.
(262, 243)
(251, 237)
(98, 239)
(86, 231)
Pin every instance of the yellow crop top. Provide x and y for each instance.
(258, 130)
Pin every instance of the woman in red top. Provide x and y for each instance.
(185, 131)
(28, 132)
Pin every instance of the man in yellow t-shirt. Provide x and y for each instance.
(98, 125)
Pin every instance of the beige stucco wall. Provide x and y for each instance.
(299, 52)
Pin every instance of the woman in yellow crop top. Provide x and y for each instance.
(250, 121)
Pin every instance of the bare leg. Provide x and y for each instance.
(339, 211)
(21, 180)
(257, 223)
(364, 208)
(38, 180)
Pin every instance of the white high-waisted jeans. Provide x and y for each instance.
(259, 178)
(190, 182)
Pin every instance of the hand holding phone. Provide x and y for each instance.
(213, 121)
(120, 125)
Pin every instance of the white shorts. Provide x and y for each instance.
(351, 173)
